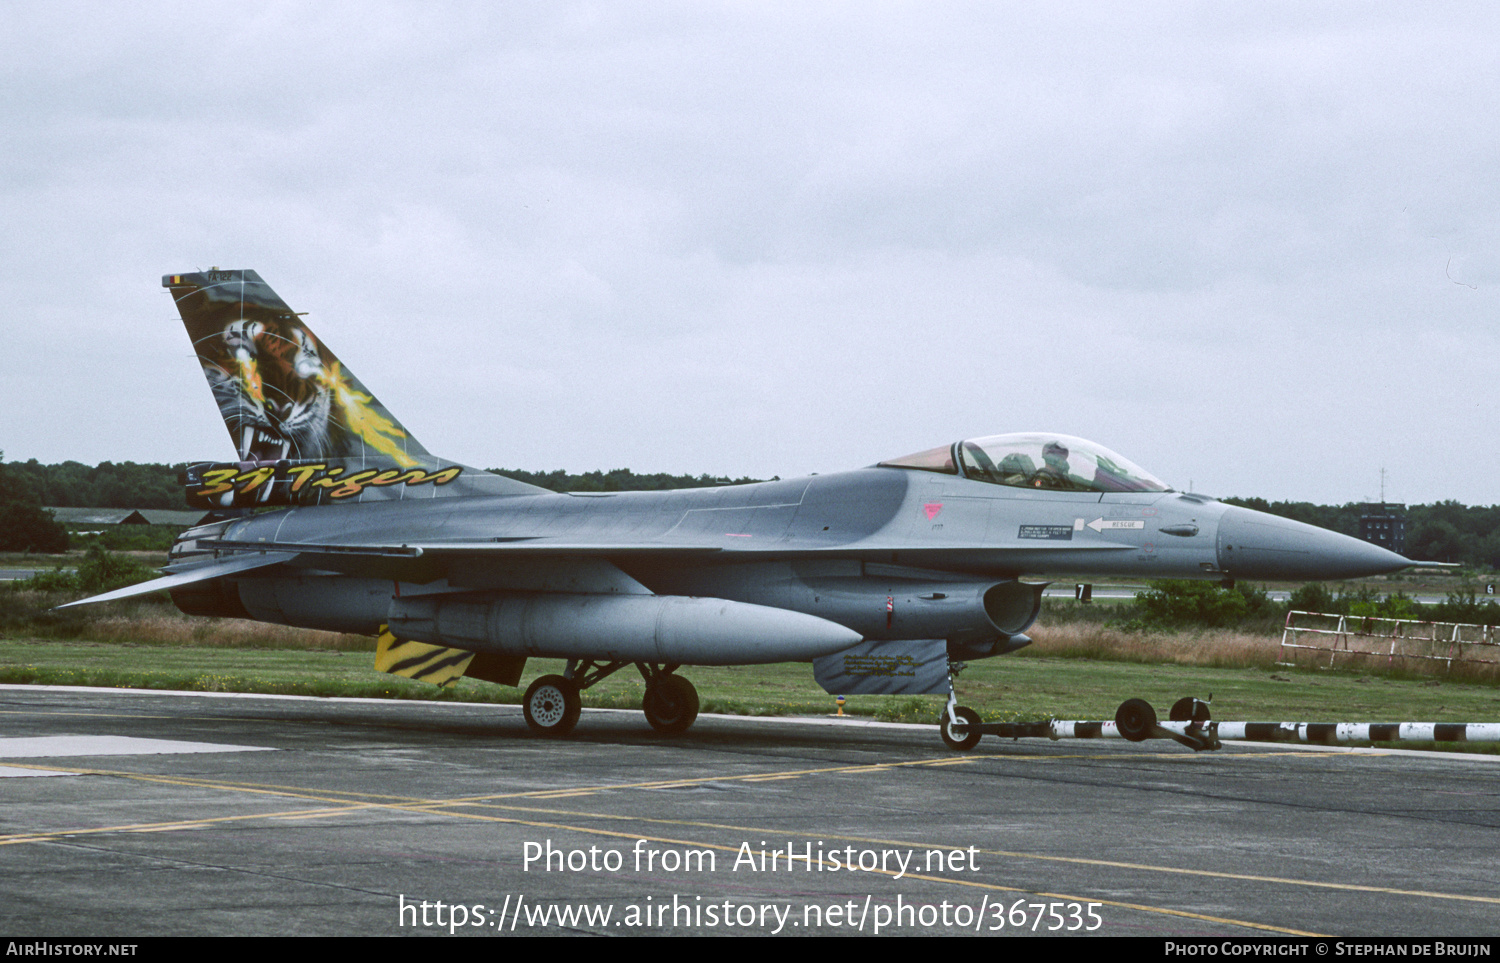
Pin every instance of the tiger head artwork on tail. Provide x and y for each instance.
(305, 430)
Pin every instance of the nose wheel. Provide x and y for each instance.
(960, 728)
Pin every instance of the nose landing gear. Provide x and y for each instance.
(959, 726)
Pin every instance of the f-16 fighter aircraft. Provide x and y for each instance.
(885, 578)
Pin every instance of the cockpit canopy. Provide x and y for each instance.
(1035, 460)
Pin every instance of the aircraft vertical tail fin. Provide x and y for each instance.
(305, 429)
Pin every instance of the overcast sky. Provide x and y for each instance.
(1252, 247)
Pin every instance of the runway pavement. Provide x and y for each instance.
(131, 813)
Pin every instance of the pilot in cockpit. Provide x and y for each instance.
(1054, 472)
(1016, 470)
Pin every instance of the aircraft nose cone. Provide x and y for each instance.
(1256, 545)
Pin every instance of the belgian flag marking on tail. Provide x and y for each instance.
(437, 664)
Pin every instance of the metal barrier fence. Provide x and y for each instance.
(1372, 638)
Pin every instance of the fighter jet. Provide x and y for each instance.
(886, 578)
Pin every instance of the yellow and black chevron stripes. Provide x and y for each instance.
(437, 664)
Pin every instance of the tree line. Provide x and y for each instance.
(106, 485)
(24, 527)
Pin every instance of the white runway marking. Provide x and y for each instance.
(18, 771)
(37, 747)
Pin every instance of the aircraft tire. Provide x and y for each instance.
(1188, 709)
(552, 706)
(967, 734)
(1135, 720)
(670, 705)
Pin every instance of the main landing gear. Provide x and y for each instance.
(553, 703)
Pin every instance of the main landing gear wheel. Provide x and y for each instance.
(671, 704)
(552, 706)
(963, 736)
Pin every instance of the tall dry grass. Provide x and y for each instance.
(1218, 648)
(168, 629)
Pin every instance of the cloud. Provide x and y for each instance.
(768, 239)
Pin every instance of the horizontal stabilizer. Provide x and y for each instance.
(200, 573)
